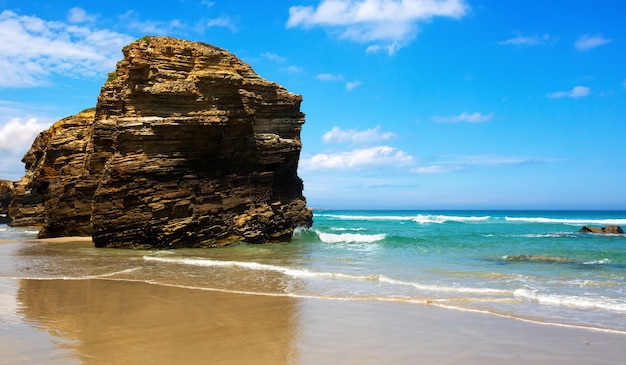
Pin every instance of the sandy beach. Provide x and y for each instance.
(120, 322)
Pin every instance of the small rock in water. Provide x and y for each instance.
(549, 259)
(609, 229)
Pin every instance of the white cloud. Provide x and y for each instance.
(16, 136)
(436, 169)
(359, 158)
(464, 117)
(33, 49)
(587, 41)
(575, 93)
(273, 57)
(329, 77)
(338, 135)
(293, 69)
(353, 85)
(389, 24)
(464, 162)
(79, 15)
(522, 40)
(390, 48)
(225, 22)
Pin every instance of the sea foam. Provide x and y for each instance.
(349, 237)
(368, 217)
(257, 266)
(420, 218)
(305, 273)
(425, 219)
(571, 301)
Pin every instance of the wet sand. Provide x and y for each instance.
(117, 322)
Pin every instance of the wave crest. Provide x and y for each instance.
(568, 221)
(420, 218)
(425, 219)
(570, 301)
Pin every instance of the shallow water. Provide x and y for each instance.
(464, 260)
(453, 259)
(459, 260)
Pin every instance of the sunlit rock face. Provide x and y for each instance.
(55, 192)
(187, 147)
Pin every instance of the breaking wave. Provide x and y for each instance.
(419, 218)
(305, 273)
(568, 221)
(425, 219)
(350, 237)
(571, 301)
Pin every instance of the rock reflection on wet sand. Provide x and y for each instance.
(98, 321)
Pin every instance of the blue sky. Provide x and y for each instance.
(414, 104)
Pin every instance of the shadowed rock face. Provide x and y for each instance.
(7, 191)
(187, 147)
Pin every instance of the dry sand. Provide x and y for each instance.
(117, 322)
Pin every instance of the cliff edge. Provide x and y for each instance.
(187, 147)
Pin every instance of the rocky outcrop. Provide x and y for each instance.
(51, 193)
(610, 229)
(187, 147)
(7, 191)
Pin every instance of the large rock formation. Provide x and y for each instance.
(187, 147)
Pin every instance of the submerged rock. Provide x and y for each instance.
(187, 147)
(539, 258)
(610, 229)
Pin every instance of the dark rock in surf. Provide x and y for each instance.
(7, 191)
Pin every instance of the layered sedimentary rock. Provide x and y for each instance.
(50, 194)
(188, 147)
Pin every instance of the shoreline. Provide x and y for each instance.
(110, 276)
(93, 321)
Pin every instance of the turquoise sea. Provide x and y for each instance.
(529, 265)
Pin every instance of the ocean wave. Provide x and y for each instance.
(347, 229)
(298, 273)
(126, 271)
(368, 217)
(442, 288)
(571, 301)
(420, 218)
(305, 273)
(598, 262)
(568, 221)
(546, 235)
(425, 219)
(350, 237)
